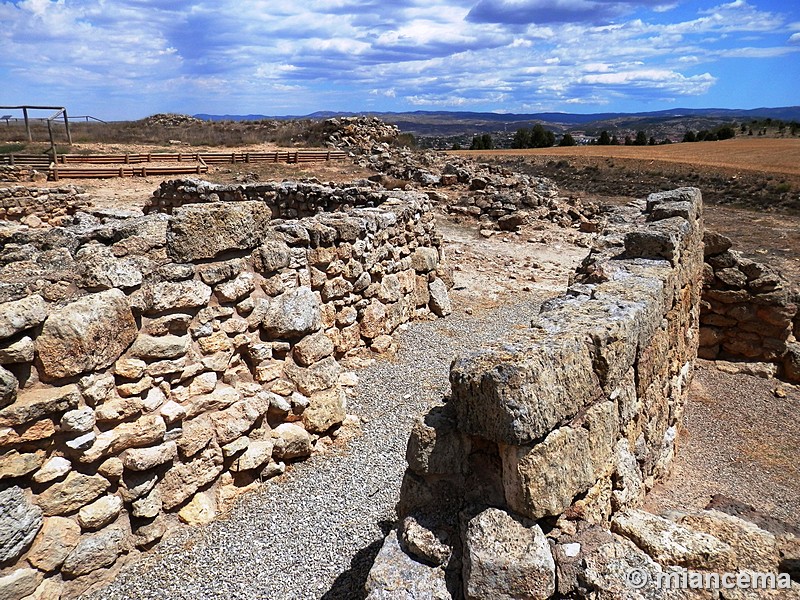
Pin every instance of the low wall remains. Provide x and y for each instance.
(20, 174)
(560, 426)
(748, 310)
(151, 366)
(48, 205)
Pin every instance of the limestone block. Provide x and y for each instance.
(312, 349)
(176, 295)
(19, 583)
(291, 441)
(319, 376)
(20, 351)
(143, 459)
(232, 291)
(20, 521)
(432, 547)
(240, 417)
(53, 468)
(102, 270)
(196, 435)
(272, 255)
(75, 491)
(256, 454)
(325, 409)
(200, 510)
(19, 315)
(183, 480)
(94, 552)
(518, 390)
(55, 542)
(9, 387)
(505, 558)
(396, 576)
(79, 420)
(160, 348)
(16, 464)
(149, 506)
(100, 513)
(198, 231)
(35, 404)
(293, 314)
(424, 259)
(88, 334)
(435, 445)
(439, 298)
(671, 544)
(373, 320)
(543, 479)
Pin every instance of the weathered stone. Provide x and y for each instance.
(291, 441)
(75, 491)
(100, 513)
(231, 291)
(142, 459)
(134, 388)
(240, 417)
(429, 546)
(198, 231)
(236, 446)
(88, 334)
(101, 270)
(135, 484)
(20, 521)
(313, 348)
(200, 510)
(216, 342)
(196, 435)
(20, 315)
(53, 468)
(147, 535)
(435, 445)
(9, 387)
(57, 539)
(178, 295)
(184, 479)
(159, 348)
(424, 259)
(319, 376)
(506, 559)
(215, 272)
(325, 410)
(79, 420)
(35, 404)
(671, 544)
(256, 454)
(148, 506)
(118, 409)
(94, 552)
(172, 412)
(272, 255)
(146, 430)
(20, 351)
(755, 549)
(97, 388)
(396, 576)
(373, 321)
(439, 298)
(518, 391)
(111, 468)
(293, 314)
(715, 243)
(16, 464)
(19, 583)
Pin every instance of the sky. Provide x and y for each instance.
(126, 59)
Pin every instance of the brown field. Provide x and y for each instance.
(780, 156)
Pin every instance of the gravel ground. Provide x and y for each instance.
(741, 441)
(315, 532)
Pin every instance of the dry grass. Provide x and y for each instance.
(779, 156)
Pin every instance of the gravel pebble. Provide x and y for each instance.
(315, 532)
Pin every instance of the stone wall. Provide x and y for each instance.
(48, 205)
(20, 173)
(151, 366)
(560, 426)
(287, 200)
(748, 311)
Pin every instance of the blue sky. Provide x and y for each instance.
(126, 59)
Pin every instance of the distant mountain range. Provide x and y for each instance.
(454, 123)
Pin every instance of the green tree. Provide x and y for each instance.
(652, 140)
(567, 140)
(641, 139)
(726, 132)
(689, 136)
(604, 140)
(615, 141)
(522, 138)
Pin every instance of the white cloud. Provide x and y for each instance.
(794, 38)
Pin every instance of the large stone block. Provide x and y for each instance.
(506, 559)
(36, 404)
(55, 542)
(9, 387)
(75, 491)
(20, 521)
(183, 480)
(293, 314)
(325, 409)
(517, 391)
(86, 335)
(198, 231)
(94, 552)
(20, 315)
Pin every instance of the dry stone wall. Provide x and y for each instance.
(558, 427)
(151, 365)
(748, 311)
(47, 205)
(20, 173)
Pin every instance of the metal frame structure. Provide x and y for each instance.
(60, 110)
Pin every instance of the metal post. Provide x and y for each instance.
(27, 124)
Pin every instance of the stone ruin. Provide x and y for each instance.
(526, 481)
(152, 365)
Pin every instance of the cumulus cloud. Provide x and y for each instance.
(250, 56)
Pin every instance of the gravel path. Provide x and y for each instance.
(315, 533)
